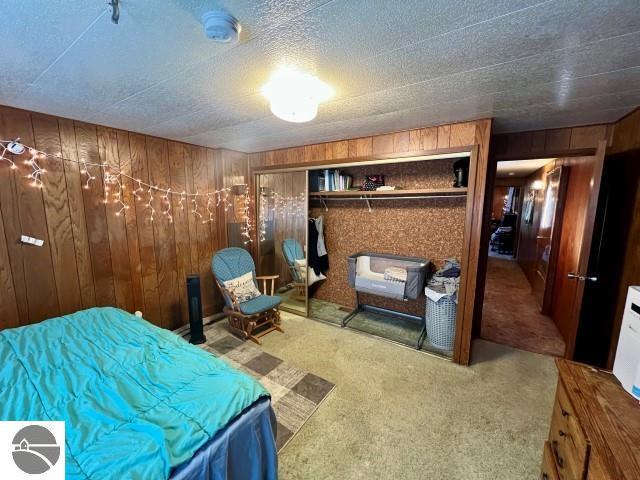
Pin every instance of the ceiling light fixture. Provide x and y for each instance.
(294, 96)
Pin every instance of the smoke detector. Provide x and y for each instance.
(221, 27)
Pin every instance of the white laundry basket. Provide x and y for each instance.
(440, 321)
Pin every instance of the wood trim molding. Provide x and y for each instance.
(400, 156)
(577, 152)
(464, 317)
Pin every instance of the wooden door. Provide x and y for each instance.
(575, 243)
(547, 240)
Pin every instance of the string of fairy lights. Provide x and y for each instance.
(273, 204)
(202, 205)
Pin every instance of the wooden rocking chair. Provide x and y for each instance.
(245, 318)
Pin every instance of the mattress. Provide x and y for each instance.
(138, 401)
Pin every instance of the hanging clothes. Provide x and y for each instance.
(322, 249)
(319, 263)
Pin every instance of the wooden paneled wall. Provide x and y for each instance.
(431, 138)
(626, 133)
(548, 143)
(90, 256)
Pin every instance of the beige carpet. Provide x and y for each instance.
(295, 394)
(400, 414)
(510, 314)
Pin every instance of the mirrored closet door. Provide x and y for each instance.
(281, 202)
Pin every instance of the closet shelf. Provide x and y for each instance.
(368, 196)
(424, 192)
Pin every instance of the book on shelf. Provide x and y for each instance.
(333, 180)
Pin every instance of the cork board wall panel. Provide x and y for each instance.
(408, 175)
(429, 228)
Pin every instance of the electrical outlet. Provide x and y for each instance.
(31, 241)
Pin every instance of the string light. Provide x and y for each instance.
(36, 171)
(209, 211)
(222, 198)
(119, 196)
(195, 207)
(113, 185)
(262, 231)
(150, 204)
(84, 170)
(107, 180)
(167, 202)
(245, 230)
(139, 190)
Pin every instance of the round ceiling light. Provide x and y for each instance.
(294, 96)
(221, 27)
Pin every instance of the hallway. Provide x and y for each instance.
(510, 314)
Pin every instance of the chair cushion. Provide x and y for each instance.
(259, 304)
(292, 250)
(230, 263)
(243, 287)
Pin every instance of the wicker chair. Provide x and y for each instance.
(247, 318)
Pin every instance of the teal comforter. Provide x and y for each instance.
(137, 400)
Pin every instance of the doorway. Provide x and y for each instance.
(528, 197)
(558, 217)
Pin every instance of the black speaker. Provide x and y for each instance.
(461, 172)
(195, 309)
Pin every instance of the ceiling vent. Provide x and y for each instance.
(221, 27)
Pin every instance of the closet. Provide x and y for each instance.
(419, 214)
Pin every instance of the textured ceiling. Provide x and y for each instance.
(394, 65)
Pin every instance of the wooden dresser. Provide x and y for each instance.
(595, 428)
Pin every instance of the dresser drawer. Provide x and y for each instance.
(548, 470)
(567, 439)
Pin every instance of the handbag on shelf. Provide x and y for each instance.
(372, 182)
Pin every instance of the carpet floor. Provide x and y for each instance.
(397, 413)
(295, 393)
(510, 314)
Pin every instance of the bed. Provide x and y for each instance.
(138, 401)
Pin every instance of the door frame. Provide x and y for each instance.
(490, 179)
